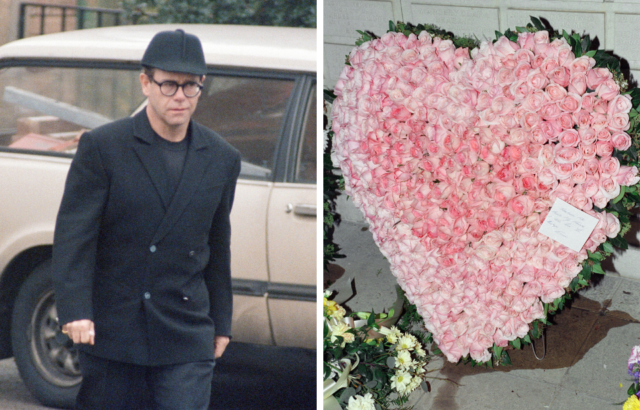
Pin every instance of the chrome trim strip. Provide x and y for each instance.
(286, 291)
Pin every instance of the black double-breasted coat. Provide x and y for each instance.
(153, 274)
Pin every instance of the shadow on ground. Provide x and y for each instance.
(257, 377)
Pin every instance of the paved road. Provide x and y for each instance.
(248, 377)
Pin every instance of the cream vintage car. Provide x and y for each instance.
(260, 94)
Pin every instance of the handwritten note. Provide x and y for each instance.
(568, 225)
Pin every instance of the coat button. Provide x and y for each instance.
(153, 248)
(147, 295)
(192, 253)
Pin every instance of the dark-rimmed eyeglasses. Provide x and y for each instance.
(170, 88)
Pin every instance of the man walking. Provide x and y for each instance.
(141, 260)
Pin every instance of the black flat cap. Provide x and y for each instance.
(175, 51)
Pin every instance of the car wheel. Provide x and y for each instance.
(46, 358)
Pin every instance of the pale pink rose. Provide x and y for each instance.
(521, 205)
(583, 119)
(560, 76)
(609, 166)
(556, 92)
(562, 171)
(579, 175)
(597, 76)
(598, 235)
(578, 84)
(613, 226)
(592, 166)
(551, 292)
(601, 106)
(580, 200)
(505, 47)
(591, 186)
(588, 150)
(608, 187)
(485, 252)
(537, 136)
(550, 111)
(604, 148)
(548, 64)
(541, 37)
(566, 155)
(521, 72)
(546, 156)
(603, 135)
(620, 104)
(565, 55)
(599, 121)
(526, 40)
(537, 80)
(505, 76)
(520, 90)
(569, 138)
(582, 65)
(588, 101)
(627, 176)
(608, 90)
(571, 103)
(619, 122)
(566, 121)
(530, 120)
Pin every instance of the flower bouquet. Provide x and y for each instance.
(456, 151)
(633, 402)
(368, 366)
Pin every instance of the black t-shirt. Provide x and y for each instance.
(173, 155)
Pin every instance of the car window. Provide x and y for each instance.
(48, 108)
(306, 162)
(249, 113)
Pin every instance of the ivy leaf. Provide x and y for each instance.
(521, 29)
(595, 256)
(597, 268)
(527, 339)
(392, 26)
(537, 23)
(346, 394)
(586, 43)
(498, 34)
(586, 272)
(591, 53)
(566, 36)
(516, 343)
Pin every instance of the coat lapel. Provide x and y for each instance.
(197, 162)
(148, 153)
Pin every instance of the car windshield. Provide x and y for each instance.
(48, 108)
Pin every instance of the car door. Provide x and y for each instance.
(262, 114)
(291, 228)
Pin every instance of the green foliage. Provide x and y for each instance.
(289, 13)
(332, 184)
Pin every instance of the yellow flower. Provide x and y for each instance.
(406, 342)
(341, 329)
(632, 403)
(420, 352)
(393, 335)
(400, 381)
(332, 309)
(404, 360)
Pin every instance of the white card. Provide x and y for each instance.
(568, 225)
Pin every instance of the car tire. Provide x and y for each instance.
(46, 358)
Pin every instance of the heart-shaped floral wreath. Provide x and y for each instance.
(455, 157)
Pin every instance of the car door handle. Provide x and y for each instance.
(303, 209)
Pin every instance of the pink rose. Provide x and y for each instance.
(537, 136)
(619, 122)
(569, 138)
(609, 166)
(627, 176)
(560, 76)
(588, 101)
(521, 205)
(566, 155)
(578, 84)
(571, 103)
(591, 186)
(582, 118)
(604, 148)
(548, 64)
(525, 40)
(620, 104)
(608, 90)
(580, 200)
(608, 187)
(592, 166)
(599, 121)
(597, 76)
(579, 175)
(603, 135)
(582, 65)
(555, 92)
(588, 150)
(566, 121)
(550, 111)
(613, 226)
(534, 101)
(537, 80)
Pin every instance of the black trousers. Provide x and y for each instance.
(111, 385)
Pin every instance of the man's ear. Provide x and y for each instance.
(145, 84)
